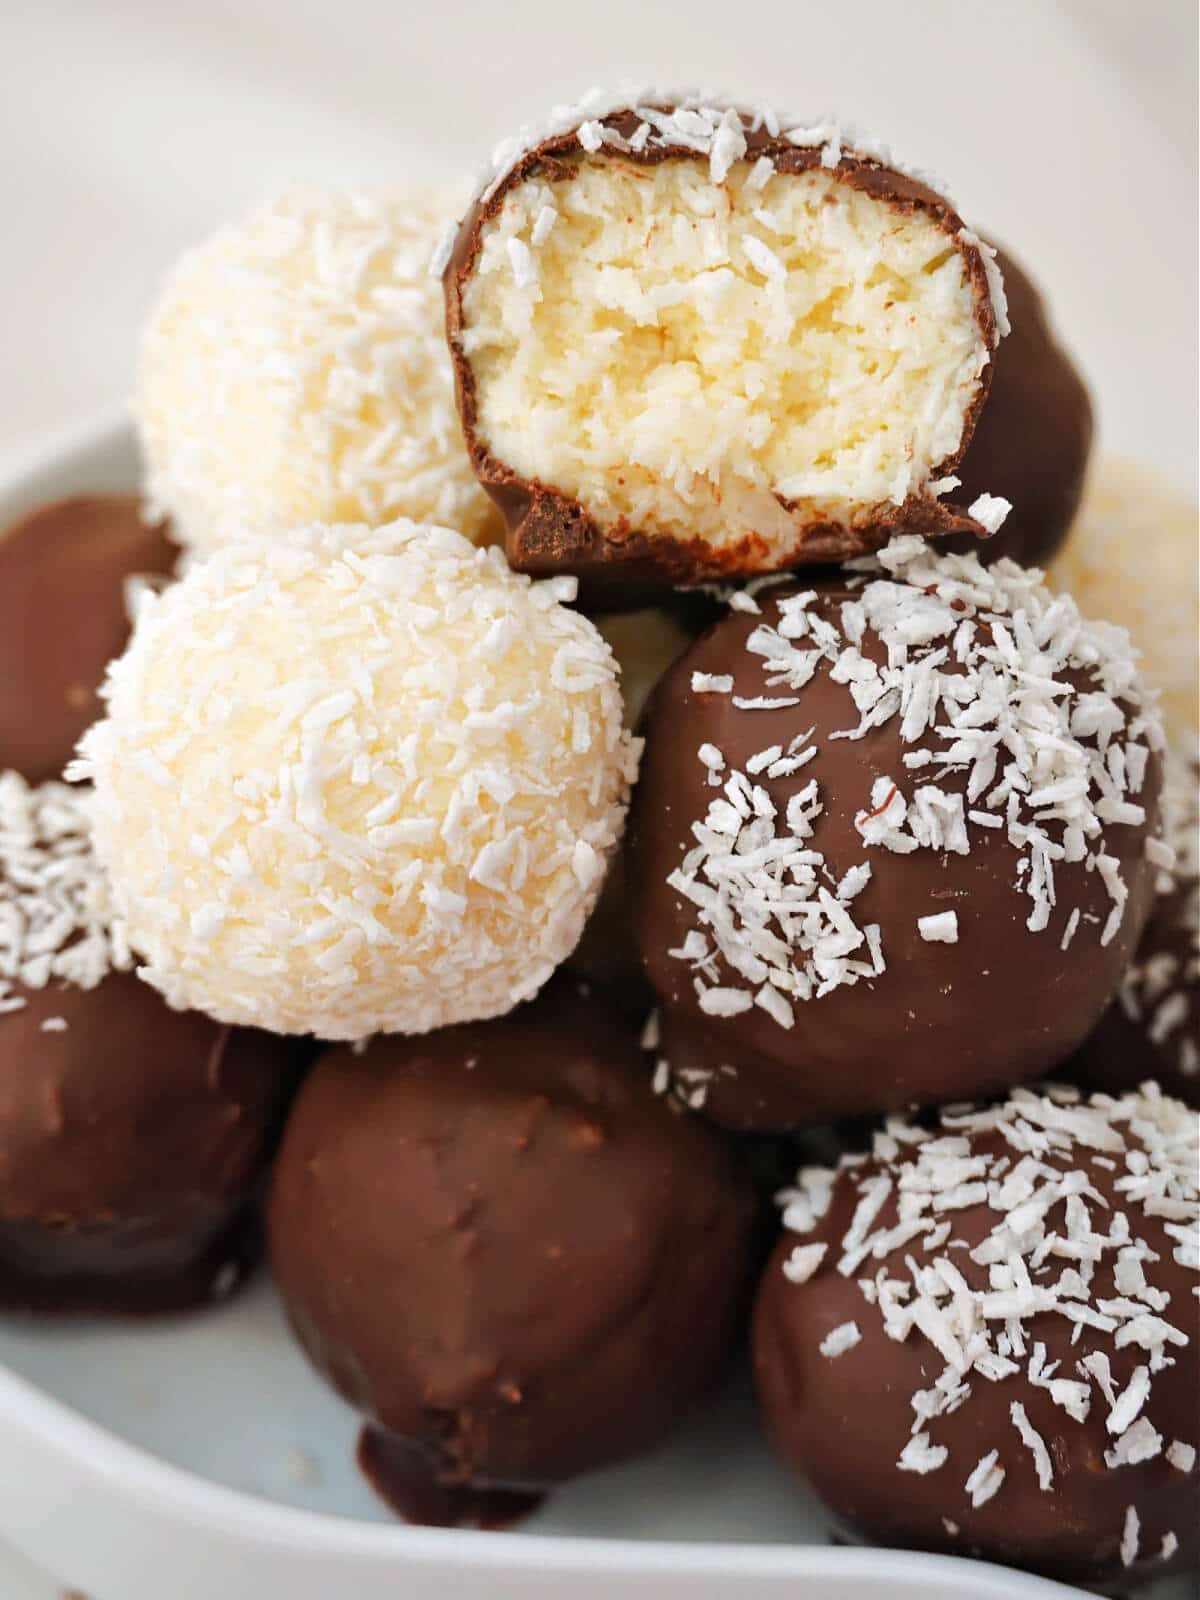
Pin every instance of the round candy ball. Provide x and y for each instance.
(358, 781)
(295, 370)
(63, 617)
(132, 1142)
(1152, 1028)
(981, 1337)
(132, 1137)
(501, 1246)
(889, 844)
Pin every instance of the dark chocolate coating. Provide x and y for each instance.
(549, 532)
(398, 1471)
(607, 953)
(501, 1246)
(1033, 438)
(1122, 1052)
(131, 1148)
(944, 1021)
(62, 620)
(841, 1423)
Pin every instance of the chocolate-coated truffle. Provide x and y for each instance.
(1152, 1028)
(132, 1137)
(63, 617)
(132, 1140)
(1033, 438)
(500, 1245)
(983, 1337)
(889, 843)
(690, 342)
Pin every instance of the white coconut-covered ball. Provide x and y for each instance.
(356, 781)
(295, 370)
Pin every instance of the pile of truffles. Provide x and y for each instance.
(705, 489)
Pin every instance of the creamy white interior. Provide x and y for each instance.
(684, 354)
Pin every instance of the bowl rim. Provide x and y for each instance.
(166, 1491)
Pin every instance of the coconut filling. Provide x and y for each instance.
(684, 356)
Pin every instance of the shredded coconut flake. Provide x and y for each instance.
(986, 1479)
(939, 929)
(803, 1262)
(711, 683)
(1026, 1167)
(840, 1339)
(920, 1456)
(296, 369)
(704, 123)
(408, 822)
(1034, 1442)
(982, 677)
(56, 918)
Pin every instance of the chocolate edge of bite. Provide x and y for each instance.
(547, 531)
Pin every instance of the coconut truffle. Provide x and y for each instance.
(358, 780)
(1034, 437)
(504, 1249)
(982, 1337)
(1131, 557)
(65, 571)
(1152, 1028)
(295, 370)
(691, 340)
(132, 1137)
(890, 843)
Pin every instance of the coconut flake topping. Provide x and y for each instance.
(56, 922)
(1031, 1162)
(981, 679)
(404, 819)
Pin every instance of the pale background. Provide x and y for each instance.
(1065, 127)
(129, 128)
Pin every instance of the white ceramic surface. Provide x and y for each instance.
(195, 1458)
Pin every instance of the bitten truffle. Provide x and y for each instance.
(1152, 1028)
(295, 369)
(504, 1249)
(690, 341)
(982, 1338)
(890, 842)
(357, 781)
(64, 570)
(132, 1137)
(1132, 558)
(1034, 436)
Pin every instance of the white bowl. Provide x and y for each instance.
(199, 1456)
